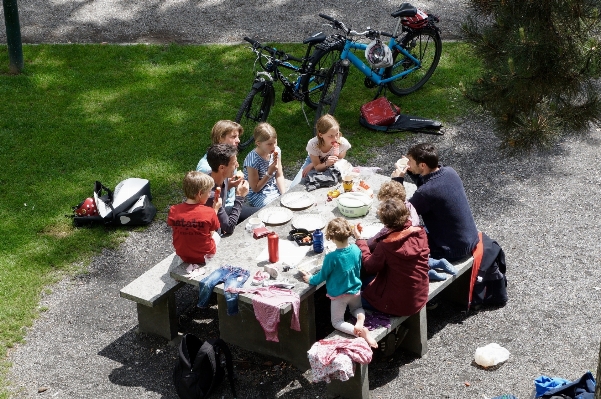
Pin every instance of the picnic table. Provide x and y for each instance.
(241, 250)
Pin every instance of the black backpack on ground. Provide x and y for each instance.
(198, 370)
(490, 287)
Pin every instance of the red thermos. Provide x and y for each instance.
(272, 246)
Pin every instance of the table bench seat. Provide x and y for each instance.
(406, 332)
(154, 294)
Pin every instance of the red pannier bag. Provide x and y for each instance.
(380, 112)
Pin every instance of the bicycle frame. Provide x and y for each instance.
(374, 76)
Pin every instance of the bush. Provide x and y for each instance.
(542, 60)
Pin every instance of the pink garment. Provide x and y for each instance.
(413, 216)
(267, 302)
(333, 358)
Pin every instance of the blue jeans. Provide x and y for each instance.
(299, 175)
(232, 277)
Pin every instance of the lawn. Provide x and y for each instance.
(81, 113)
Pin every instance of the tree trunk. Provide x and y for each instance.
(13, 36)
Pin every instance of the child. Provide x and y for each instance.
(263, 167)
(395, 190)
(325, 149)
(340, 271)
(224, 132)
(192, 222)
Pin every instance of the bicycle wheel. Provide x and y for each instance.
(254, 110)
(331, 91)
(426, 46)
(312, 83)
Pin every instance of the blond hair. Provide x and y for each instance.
(323, 124)
(222, 128)
(392, 189)
(197, 182)
(338, 229)
(263, 132)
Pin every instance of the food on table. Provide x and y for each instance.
(333, 193)
(364, 185)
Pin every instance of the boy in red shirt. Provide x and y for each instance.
(192, 222)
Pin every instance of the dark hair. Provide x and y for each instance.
(393, 213)
(426, 153)
(220, 154)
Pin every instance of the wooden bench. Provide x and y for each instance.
(154, 294)
(408, 332)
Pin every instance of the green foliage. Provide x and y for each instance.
(81, 113)
(540, 59)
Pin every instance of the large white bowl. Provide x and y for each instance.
(354, 204)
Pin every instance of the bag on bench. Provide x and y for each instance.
(198, 370)
(129, 204)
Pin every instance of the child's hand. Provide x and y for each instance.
(331, 160)
(306, 276)
(217, 202)
(307, 169)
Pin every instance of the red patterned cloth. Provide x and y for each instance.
(333, 358)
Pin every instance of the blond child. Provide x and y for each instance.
(193, 222)
(341, 269)
(263, 167)
(324, 149)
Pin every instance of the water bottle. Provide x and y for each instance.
(317, 241)
(272, 247)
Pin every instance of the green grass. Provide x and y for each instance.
(81, 113)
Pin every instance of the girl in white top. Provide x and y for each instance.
(325, 149)
(263, 167)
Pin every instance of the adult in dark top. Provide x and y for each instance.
(441, 202)
(223, 162)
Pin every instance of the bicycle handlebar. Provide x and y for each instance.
(272, 51)
(370, 33)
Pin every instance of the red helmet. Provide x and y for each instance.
(87, 208)
(418, 21)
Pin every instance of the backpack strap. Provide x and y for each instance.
(229, 364)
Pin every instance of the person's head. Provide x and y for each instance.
(265, 137)
(392, 189)
(393, 213)
(226, 132)
(328, 130)
(222, 159)
(338, 229)
(197, 183)
(422, 156)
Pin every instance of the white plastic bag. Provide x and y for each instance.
(491, 355)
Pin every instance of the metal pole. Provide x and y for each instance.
(13, 36)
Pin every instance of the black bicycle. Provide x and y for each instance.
(304, 83)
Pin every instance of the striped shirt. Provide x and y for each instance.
(270, 191)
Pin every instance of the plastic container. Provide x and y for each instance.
(491, 355)
(273, 247)
(317, 241)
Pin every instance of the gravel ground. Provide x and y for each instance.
(542, 209)
(213, 21)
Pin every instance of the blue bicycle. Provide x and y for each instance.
(404, 65)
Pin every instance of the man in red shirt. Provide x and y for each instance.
(192, 222)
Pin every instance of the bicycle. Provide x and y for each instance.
(305, 85)
(415, 56)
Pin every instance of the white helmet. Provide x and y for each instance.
(378, 54)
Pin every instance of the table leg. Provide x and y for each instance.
(244, 330)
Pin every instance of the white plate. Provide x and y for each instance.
(371, 230)
(273, 215)
(309, 222)
(297, 200)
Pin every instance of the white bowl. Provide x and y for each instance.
(354, 204)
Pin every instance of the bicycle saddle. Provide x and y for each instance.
(406, 10)
(316, 37)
